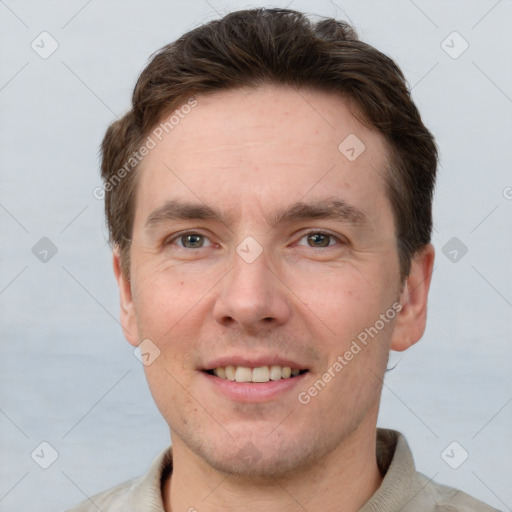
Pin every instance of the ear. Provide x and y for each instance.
(410, 323)
(128, 319)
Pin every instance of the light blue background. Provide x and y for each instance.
(69, 378)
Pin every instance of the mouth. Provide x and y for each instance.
(259, 374)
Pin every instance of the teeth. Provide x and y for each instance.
(220, 372)
(243, 374)
(230, 372)
(275, 372)
(260, 374)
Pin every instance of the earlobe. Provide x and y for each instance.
(411, 321)
(127, 316)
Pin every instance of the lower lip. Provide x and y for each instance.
(253, 391)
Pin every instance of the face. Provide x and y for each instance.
(263, 251)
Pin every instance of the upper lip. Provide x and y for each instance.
(253, 362)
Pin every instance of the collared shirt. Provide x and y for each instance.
(403, 488)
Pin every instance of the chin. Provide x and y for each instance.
(259, 454)
(255, 463)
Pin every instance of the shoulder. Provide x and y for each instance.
(448, 499)
(405, 489)
(111, 500)
(143, 493)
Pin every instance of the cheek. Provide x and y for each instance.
(167, 387)
(344, 300)
(174, 310)
(166, 294)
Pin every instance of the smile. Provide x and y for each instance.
(260, 374)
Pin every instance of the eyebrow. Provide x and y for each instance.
(180, 210)
(330, 208)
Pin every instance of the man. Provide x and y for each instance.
(269, 202)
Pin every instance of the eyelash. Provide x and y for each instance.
(323, 233)
(305, 235)
(169, 241)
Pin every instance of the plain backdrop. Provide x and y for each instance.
(68, 377)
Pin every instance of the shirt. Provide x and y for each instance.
(403, 488)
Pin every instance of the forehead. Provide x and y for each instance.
(258, 148)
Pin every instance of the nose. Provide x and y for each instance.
(252, 296)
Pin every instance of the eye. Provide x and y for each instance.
(191, 241)
(318, 239)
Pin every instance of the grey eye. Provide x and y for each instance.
(192, 241)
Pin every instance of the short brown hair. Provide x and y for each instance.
(278, 46)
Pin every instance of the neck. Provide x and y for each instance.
(343, 480)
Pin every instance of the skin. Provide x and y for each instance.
(249, 153)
